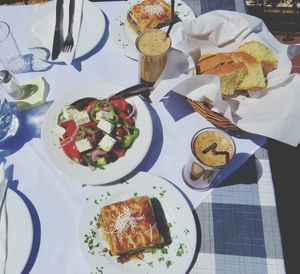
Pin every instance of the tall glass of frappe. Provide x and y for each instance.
(153, 46)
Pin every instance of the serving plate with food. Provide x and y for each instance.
(143, 225)
(95, 139)
(139, 15)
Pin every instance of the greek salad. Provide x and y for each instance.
(96, 132)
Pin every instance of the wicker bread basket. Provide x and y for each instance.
(213, 117)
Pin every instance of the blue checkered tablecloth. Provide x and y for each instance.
(239, 228)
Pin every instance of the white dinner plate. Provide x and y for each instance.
(20, 233)
(180, 252)
(112, 171)
(91, 31)
(125, 37)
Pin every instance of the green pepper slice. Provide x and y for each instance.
(97, 108)
(129, 139)
(87, 160)
(86, 131)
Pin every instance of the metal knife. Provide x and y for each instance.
(58, 33)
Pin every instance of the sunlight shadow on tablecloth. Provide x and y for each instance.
(13, 184)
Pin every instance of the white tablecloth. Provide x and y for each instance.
(57, 201)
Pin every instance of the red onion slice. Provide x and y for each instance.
(96, 154)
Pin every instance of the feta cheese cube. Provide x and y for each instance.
(103, 114)
(107, 143)
(58, 131)
(105, 126)
(69, 113)
(83, 145)
(81, 118)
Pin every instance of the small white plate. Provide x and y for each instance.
(125, 37)
(180, 252)
(20, 233)
(91, 31)
(113, 171)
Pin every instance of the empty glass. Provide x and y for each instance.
(10, 55)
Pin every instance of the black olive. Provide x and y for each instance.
(110, 157)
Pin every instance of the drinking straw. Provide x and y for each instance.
(172, 18)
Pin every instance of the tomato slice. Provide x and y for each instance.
(71, 150)
(124, 116)
(89, 124)
(119, 103)
(118, 151)
(70, 126)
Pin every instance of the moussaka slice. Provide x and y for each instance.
(149, 14)
(130, 227)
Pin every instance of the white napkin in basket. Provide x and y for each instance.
(43, 29)
(272, 112)
(3, 226)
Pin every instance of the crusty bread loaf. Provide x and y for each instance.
(231, 75)
(254, 79)
(261, 53)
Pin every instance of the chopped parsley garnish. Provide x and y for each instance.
(161, 259)
(99, 269)
(180, 250)
(150, 264)
(89, 239)
(98, 225)
(135, 194)
(186, 231)
(162, 193)
(164, 250)
(168, 263)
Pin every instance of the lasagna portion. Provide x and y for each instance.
(132, 227)
(149, 14)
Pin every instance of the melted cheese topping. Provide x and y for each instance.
(154, 9)
(125, 220)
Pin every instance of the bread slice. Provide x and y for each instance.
(210, 61)
(262, 54)
(231, 75)
(254, 80)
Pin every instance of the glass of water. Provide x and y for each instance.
(9, 123)
(10, 55)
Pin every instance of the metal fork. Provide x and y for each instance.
(69, 42)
